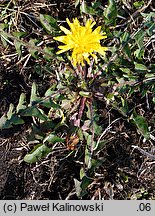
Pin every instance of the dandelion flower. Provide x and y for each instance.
(82, 40)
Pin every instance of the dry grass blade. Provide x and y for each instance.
(144, 152)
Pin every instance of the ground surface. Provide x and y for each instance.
(124, 174)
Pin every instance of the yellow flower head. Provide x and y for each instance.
(82, 40)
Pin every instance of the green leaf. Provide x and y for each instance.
(126, 70)
(81, 186)
(49, 91)
(33, 51)
(3, 27)
(35, 112)
(138, 4)
(87, 158)
(151, 27)
(85, 182)
(16, 120)
(97, 128)
(50, 104)
(95, 164)
(10, 111)
(49, 24)
(141, 124)
(140, 67)
(4, 123)
(21, 104)
(96, 5)
(149, 23)
(80, 134)
(19, 34)
(82, 172)
(77, 2)
(18, 44)
(110, 13)
(88, 148)
(86, 9)
(52, 138)
(139, 53)
(124, 38)
(139, 38)
(127, 51)
(34, 95)
(40, 151)
(124, 105)
(148, 16)
(85, 94)
(78, 189)
(38, 69)
(48, 50)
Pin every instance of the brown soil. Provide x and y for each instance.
(124, 174)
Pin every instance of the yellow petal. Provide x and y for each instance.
(66, 31)
(59, 38)
(90, 23)
(102, 50)
(69, 23)
(87, 60)
(63, 49)
(95, 57)
(82, 40)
